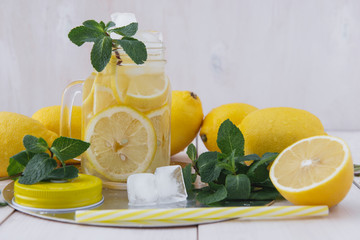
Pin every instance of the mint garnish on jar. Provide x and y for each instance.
(104, 44)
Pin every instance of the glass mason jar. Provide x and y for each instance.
(125, 117)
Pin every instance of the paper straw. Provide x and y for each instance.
(213, 213)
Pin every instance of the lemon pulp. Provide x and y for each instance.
(316, 170)
(123, 142)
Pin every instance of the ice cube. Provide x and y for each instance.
(153, 41)
(170, 184)
(123, 19)
(142, 189)
(149, 36)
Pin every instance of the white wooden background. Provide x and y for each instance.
(303, 54)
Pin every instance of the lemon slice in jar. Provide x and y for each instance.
(98, 93)
(88, 87)
(143, 87)
(104, 96)
(123, 142)
(160, 119)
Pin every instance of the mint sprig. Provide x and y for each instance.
(35, 164)
(228, 177)
(99, 34)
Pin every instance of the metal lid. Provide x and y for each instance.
(79, 192)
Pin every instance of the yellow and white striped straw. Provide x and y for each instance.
(213, 213)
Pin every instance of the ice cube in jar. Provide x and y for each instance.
(141, 189)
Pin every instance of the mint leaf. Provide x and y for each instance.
(14, 167)
(67, 172)
(94, 25)
(82, 34)
(101, 53)
(67, 148)
(238, 186)
(126, 31)
(250, 157)
(34, 144)
(102, 24)
(265, 194)
(23, 157)
(191, 152)
(134, 48)
(267, 183)
(38, 169)
(208, 168)
(109, 25)
(18, 162)
(188, 180)
(213, 194)
(230, 138)
(241, 167)
(225, 166)
(258, 170)
(269, 156)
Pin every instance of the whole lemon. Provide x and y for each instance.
(236, 112)
(50, 118)
(13, 128)
(186, 119)
(274, 129)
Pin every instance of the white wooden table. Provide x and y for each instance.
(342, 223)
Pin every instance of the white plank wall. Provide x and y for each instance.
(303, 54)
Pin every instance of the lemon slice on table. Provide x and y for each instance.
(314, 171)
(160, 119)
(123, 142)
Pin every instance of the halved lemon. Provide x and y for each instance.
(160, 119)
(123, 142)
(314, 171)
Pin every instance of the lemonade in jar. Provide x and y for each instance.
(126, 111)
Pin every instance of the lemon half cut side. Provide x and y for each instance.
(123, 142)
(314, 171)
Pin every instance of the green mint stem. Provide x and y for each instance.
(196, 169)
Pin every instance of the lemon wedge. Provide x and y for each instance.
(314, 171)
(123, 142)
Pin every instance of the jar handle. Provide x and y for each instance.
(67, 102)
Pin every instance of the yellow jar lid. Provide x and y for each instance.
(82, 191)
